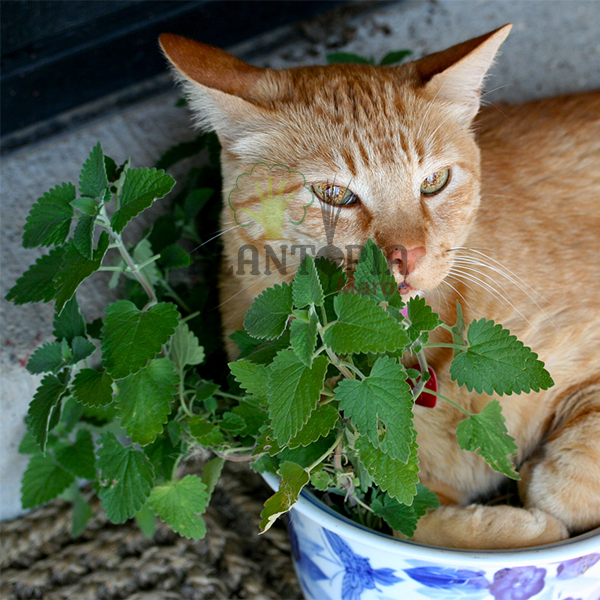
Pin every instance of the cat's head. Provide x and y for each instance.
(386, 153)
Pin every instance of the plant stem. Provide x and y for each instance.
(338, 441)
(455, 346)
(456, 405)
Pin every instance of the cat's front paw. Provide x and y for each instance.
(488, 527)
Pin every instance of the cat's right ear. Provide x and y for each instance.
(221, 89)
(457, 74)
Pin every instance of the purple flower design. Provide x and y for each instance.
(518, 583)
(576, 566)
(446, 578)
(359, 575)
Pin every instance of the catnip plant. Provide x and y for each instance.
(320, 395)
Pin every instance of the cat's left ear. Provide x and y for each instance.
(457, 74)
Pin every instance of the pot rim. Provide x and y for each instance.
(313, 508)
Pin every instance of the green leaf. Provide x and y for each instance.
(82, 349)
(245, 342)
(268, 315)
(69, 324)
(252, 377)
(397, 478)
(126, 478)
(131, 337)
(233, 423)
(347, 57)
(333, 280)
(185, 349)
(49, 357)
(88, 206)
(78, 458)
(146, 521)
(37, 283)
(142, 253)
(294, 391)
(43, 481)
(194, 202)
(141, 188)
(211, 473)
(373, 278)
(93, 180)
(82, 513)
(83, 236)
(401, 517)
(363, 326)
(180, 505)
(393, 58)
(163, 452)
(174, 257)
(496, 361)
(41, 409)
(205, 433)
(93, 388)
(266, 351)
(254, 416)
(49, 220)
(307, 286)
(459, 328)
(319, 424)
(303, 337)
(380, 406)
(180, 151)
(486, 432)
(75, 269)
(144, 400)
(293, 479)
(421, 317)
(321, 480)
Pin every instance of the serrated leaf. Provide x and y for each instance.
(380, 406)
(372, 276)
(82, 349)
(69, 324)
(319, 424)
(205, 433)
(93, 388)
(43, 481)
(233, 423)
(211, 472)
(142, 254)
(496, 361)
(254, 416)
(268, 315)
(421, 317)
(397, 478)
(126, 478)
(245, 342)
(254, 378)
(486, 433)
(131, 337)
(48, 358)
(78, 458)
(266, 351)
(333, 280)
(307, 286)
(321, 480)
(163, 452)
(363, 326)
(40, 411)
(401, 517)
(37, 283)
(144, 400)
(83, 236)
(140, 189)
(392, 58)
(87, 206)
(174, 257)
(180, 504)
(185, 349)
(294, 391)
(303, 337)
(93, 180)
(75, 269)
(49, 220)
(293, 479)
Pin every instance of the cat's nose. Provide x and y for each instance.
(407, 257)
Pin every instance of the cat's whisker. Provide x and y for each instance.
(496, 293)
(219, 234)
(453, 288)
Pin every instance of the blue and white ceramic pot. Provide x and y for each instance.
(337, 559)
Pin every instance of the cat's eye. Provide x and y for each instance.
(335, 194)
(435, 183)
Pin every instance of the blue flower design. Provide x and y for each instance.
(304, 562)
(359, 575)
(576, 566)
(446, 578)
(518, 583)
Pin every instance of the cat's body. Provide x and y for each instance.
(530, 220)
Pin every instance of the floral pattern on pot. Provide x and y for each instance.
(330, 567)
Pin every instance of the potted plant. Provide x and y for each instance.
(123, 400)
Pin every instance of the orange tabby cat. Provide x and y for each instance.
(502, 214)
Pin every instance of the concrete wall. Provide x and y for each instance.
(553, 48)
